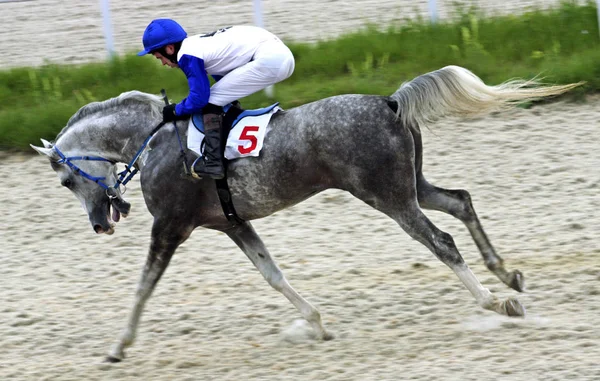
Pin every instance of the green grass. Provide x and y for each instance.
(562, 44)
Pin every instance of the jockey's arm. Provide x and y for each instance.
(199, 84)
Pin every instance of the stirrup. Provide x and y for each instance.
(209, 175)
(192, 172)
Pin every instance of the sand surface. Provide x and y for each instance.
(398, 313)
(72, 31)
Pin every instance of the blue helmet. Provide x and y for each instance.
(161, 32)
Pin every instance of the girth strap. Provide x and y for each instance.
(222, 186)
(226, 202)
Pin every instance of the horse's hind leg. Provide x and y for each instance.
(393, 190)
(163, 245)
(251, 244)
(410, 217)
(458, 204)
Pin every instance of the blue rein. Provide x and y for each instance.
(124, 176)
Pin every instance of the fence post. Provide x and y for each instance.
(107, 27)
(258, 20)
(258, 13)
(598, 11)
(433, 11)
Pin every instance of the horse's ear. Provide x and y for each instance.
(51, 153)
(46, 143)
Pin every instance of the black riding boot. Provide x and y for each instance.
(211, 163)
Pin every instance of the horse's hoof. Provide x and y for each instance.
(518, 281)
(328, 336)
(112, 360)
(513, 308)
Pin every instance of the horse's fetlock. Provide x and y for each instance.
(116, 354)
(494, 264)
(489, 301)
(128, 337)
(313, 315)
(277, 281)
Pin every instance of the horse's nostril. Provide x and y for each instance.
(98, 229)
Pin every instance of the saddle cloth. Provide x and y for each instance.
(246, 134)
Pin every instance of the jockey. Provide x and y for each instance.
(241, 59)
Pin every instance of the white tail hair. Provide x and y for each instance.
(455, 91)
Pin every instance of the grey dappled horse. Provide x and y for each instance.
(367, 145)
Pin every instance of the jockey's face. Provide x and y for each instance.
(170, 49)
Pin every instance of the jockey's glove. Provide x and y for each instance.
(169, 113)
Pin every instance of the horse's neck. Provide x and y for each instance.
(116, 138)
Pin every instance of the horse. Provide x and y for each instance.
(368, 145)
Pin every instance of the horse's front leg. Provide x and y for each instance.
(165, 239)
(251, 244)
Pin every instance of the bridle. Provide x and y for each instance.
(124, 177)
(130, 170)
(98, 180)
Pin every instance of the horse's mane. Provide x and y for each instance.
(155, 102)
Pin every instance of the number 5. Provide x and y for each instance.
(245, 135)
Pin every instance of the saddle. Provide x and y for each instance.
(233, 114)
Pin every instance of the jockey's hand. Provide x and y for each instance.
(169, 113)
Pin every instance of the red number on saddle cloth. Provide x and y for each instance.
(245, 135)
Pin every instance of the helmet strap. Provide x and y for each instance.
(170, 57)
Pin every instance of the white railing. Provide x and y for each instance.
(107, 27)
(598, 11)
(258, 17)
(258, 20)
(433, 13)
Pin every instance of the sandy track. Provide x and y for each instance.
(398, 313)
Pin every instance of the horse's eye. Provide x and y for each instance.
(67, 183)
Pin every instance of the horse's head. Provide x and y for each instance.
(92, 180)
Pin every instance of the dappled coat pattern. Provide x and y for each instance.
(367, 145)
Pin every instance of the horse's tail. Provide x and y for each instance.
(455, 91)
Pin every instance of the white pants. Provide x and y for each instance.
(273, 62)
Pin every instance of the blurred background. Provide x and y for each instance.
(38, 31)
(58, 56)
